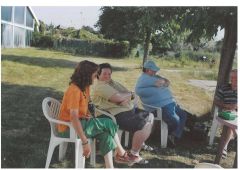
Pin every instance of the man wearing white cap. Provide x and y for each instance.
(154, 90)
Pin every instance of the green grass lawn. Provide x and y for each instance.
(29, 75)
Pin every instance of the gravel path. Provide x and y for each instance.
(209, 85)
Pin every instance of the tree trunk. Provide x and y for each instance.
(228, 51)
(146, 45)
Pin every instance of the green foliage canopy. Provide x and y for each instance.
(135, 24)
(204, 22)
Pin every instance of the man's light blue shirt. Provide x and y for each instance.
(151, 94)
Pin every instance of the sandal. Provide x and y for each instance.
(147, 147)
(224, 154)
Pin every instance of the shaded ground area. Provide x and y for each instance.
(190, 150)
(25, 137)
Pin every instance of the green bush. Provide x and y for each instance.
(93, 47)
(40, 40)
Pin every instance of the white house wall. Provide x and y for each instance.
(17, 35)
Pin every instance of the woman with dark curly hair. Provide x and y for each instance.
(74, 108)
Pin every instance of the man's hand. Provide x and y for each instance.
(160, 83)
(163, 82)
(230, 106)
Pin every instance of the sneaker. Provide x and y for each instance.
(122, 159)
(147, 147)
(136, 159)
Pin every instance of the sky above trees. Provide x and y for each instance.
(68, 16)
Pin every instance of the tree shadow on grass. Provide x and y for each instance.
(48, 62)
(38, 61)
(25, 130)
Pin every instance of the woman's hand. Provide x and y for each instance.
(88, 116)
(86, 150)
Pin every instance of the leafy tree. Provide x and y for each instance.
(135, 24)
(219, 44)
(204, 22)
(42, 27)
(168, 38)
(118, 23)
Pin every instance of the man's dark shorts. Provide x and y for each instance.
(132, 120)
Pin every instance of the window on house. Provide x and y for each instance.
(6, 35)
(28, 37)
(19, 15)
(19, 37)
(6, 13)
(29, 19)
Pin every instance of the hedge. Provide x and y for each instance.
(92, 47)
(45, 41)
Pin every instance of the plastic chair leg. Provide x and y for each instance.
(79, 158)
(164, 134)
(119, 132)
(213, 131)
(62, 150)
(51, 148)
(93, 153)
(126, 139)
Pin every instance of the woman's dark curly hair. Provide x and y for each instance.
(82, 75)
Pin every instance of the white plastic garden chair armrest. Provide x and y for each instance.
(159, 110)
(107, 114)
(135, 101)
(60, 122)
(72, 130)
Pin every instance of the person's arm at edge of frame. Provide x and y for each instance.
(79, 130)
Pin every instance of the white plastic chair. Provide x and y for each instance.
(126, 141)
(215, 125)
(207, 165)
(51, 110)
(164, 127)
